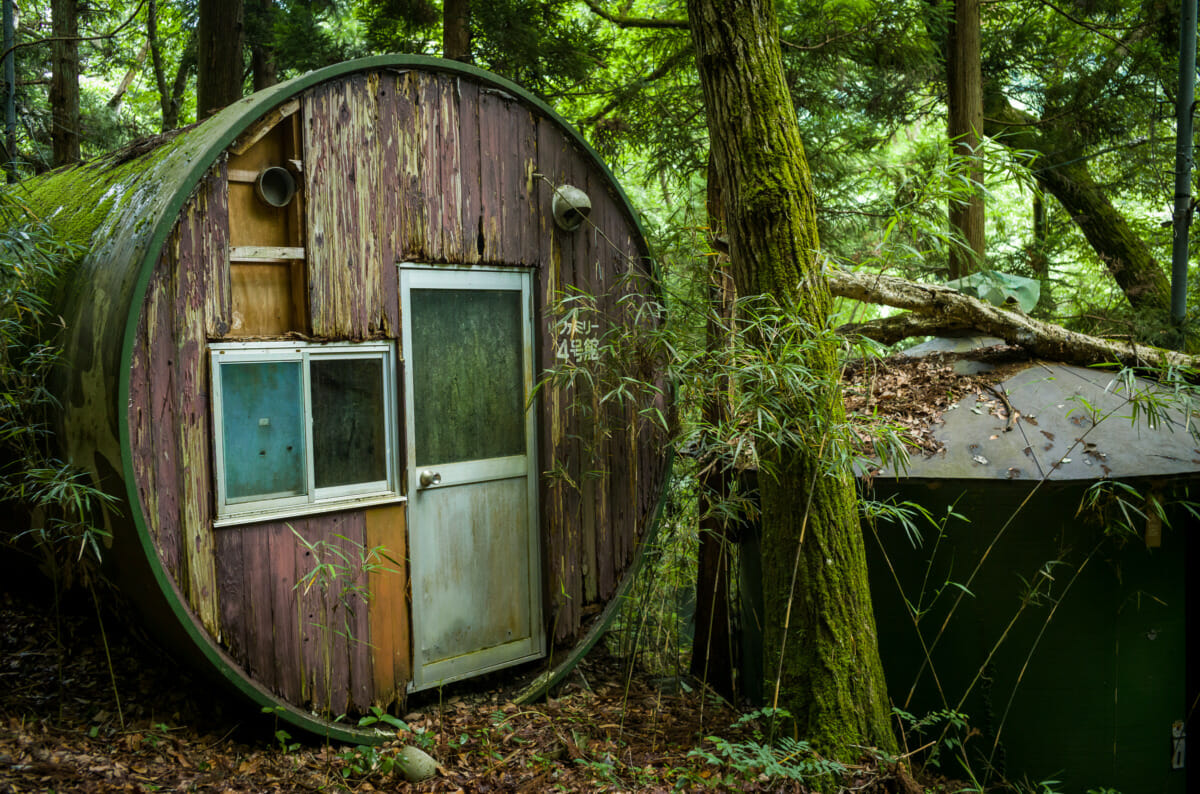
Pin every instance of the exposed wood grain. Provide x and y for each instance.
(230, 561)
(470, 116)
(443, 166)
(163, 479)
(259, 614)
(563, 453)
(218, 309)
(281, 576)
(333, 623)
(264, 126)
(201, 238)
(263, 299)
(436, 171)
(389, 612)
(276, 253)
(341, 143)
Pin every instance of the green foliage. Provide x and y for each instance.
(765, 754)
(944, 732)
(366, 761)
(379, 718)
(66, 509)
(1000, 289)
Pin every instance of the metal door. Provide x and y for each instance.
(471, 471)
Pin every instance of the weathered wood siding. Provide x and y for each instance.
(398, 166)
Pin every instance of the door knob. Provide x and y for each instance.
(428, 478)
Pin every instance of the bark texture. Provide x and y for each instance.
(820, 642)
(964, 80)
(219, 65)
(1063, 173)
(64, 83)
(942, 309)
(456, 30)
(261, 24)
(713, 658)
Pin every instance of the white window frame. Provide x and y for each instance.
(314, 500)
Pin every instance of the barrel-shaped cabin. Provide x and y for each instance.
(309, 347)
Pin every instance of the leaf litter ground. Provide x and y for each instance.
(61, 727)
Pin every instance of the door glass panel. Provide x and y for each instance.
(468, 389)
(263, 435)
(348, 416)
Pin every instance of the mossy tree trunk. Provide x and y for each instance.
(1062, 170)
(820, 636)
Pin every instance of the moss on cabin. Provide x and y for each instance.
(78, 200)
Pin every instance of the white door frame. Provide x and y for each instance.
(425, 503)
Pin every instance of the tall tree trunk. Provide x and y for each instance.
(64, 83)
(1063, 173)
(456, 30)
(820, 638)
(964, 79)
(219, 65)
(713, 658)
(156, 61)
(187, 65)
(261, 34)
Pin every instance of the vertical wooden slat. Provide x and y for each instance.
(360, 684)
(202, 235)
(230, 560)
(471, 134)
(558, 163)
(508, 193)
(162, 412)
(280, 576)
(260, 617)
(333, 625)
(442, 165)
(214, 256)
(389, 617)
(342, 182)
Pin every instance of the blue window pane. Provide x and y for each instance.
(262, 409)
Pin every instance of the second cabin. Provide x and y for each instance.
(307, 346)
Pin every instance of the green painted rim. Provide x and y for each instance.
(222, 129)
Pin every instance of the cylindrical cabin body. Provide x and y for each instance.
(305, 346)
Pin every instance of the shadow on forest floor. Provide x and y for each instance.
(61, 728)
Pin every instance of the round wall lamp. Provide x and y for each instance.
(571, 206)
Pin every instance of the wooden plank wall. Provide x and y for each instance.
(169, 396)
(398, 166)
(308, 640)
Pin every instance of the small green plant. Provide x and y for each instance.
(780, 758)
(949, 727)
(378, 717)
(364, 761)
(284, 739)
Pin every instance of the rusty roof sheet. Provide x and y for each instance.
(1061, 422)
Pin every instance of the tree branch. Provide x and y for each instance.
(898, 327)
(622, 21)
(623, 94)
(50, 39)
(948, 306)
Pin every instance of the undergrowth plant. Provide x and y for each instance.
(60, 510)
(767, 753)
(339, 574)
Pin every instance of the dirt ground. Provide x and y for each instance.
(79, 714)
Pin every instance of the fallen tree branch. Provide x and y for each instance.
(949, 307)
(898, 327)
